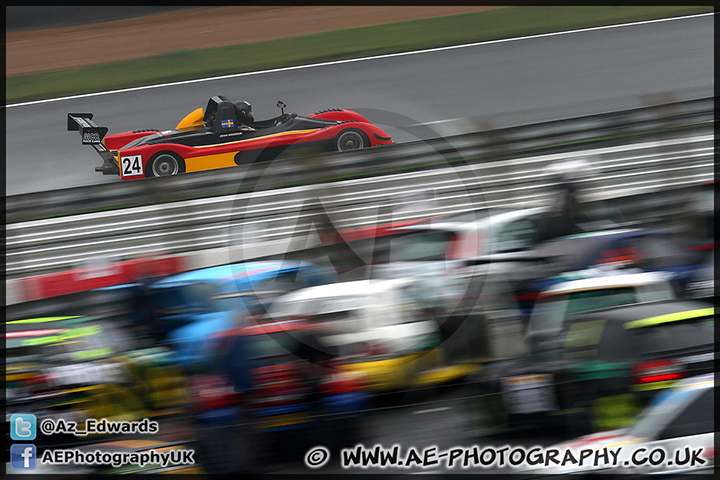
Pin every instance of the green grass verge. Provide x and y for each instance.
(335, 45)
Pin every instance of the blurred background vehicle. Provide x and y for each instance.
(558, 260)
(599, 289)
(189, 307)
(433, 249)
(681, 419)
(386, 330)
(600, 369)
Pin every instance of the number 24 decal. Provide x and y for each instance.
(132, 165)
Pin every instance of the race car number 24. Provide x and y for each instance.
(132, 165)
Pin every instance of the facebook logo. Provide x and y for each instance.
(23, 427)
(23, 456)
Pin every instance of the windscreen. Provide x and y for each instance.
(585, 301)
(317, 306)
(549, 314)
(267, 346)
(421, 246)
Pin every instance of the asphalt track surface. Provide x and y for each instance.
(499, 83)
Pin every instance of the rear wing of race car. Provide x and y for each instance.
(92, 134)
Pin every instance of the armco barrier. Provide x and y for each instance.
(260, 222)
(668, 206)
(203, 232)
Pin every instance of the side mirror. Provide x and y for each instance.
(281, 106)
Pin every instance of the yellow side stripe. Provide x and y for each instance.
(671, 317)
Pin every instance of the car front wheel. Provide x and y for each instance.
(351, 140)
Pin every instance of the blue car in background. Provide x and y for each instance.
(189, 307)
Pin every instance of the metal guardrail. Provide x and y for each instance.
(255, 224)
(478, 146)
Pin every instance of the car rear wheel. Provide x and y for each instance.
(165, 164)
(351, 140)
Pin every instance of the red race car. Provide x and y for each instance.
(225, 134)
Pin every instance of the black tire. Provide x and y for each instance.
(351, 140)
(165, 164)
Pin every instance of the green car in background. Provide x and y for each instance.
(79, 367)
